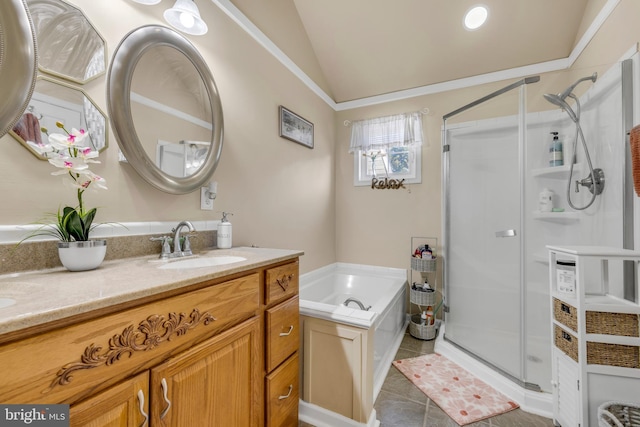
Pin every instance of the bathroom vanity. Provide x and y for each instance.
(133, 344)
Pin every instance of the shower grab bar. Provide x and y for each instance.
(525, 81)
(506, 233)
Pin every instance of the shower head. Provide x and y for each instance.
(560, 102)
(570, 89)
(559, 99)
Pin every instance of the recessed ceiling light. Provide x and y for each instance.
(475, 17)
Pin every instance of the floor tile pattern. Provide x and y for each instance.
(402, 404)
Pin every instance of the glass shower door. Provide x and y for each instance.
(483, 272)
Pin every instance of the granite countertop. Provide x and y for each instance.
(47, 295)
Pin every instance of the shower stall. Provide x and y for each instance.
(495, 166)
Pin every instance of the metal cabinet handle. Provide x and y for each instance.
(163, 383)
(144, 414)
(506, 233)
(284, 282)
(286, 334)
(288, 394)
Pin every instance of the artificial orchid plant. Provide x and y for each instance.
(66, 151)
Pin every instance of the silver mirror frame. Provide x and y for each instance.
(125, 59)
(18, 62)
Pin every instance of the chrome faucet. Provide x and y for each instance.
(357, 301)
(179, 251)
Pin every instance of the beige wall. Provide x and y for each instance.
(375, 226)
(281, 193)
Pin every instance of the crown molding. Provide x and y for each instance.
(544, 67)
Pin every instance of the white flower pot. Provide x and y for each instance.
(82, 256)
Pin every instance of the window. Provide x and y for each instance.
(393, 163)
(387, 147)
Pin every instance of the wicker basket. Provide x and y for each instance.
(423, 264)
(566, 342)
(625, 356)
(423, 298)
(624, 324)
(565, 314)
(423, 332)
(619, 414)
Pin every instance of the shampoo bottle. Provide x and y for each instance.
(224, 232)
(555, 151)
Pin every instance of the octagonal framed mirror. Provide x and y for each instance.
(69, 46)
(55, 101)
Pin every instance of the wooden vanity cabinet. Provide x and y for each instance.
(124, 405)
(194, 359)
(282, 340)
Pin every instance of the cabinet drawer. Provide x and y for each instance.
(71, 363)
(566, 342)
(282, 335)
(565, 314)
(282, 388)
(281, 282)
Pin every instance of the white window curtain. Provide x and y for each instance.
(384, 132)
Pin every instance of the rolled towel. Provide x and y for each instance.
(35, 133)
(634, 139)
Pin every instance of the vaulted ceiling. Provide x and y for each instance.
(367, 48)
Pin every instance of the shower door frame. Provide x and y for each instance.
(446, 215)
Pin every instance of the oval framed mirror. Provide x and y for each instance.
(18, 62)
(69, 46)
(54, 101)
(165, 109)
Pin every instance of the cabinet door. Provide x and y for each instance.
(216, 383)
(123, 405)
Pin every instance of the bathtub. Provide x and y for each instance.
(374, 335)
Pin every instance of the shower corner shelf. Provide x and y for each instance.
(556, 216)
(556, 172)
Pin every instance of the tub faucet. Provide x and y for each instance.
(357, 301)
(179, 251)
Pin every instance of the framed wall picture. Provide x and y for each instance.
(295, 128)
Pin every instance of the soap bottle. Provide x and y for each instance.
(423, 318)
(224, 232)
(545, 200)
(555, 151)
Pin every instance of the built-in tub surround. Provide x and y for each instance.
(348, 351)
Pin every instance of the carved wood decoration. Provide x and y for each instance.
(149, 334)
(284, 282)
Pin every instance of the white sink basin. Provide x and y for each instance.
(6, 302)
(210, 261)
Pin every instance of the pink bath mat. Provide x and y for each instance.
(462, 396)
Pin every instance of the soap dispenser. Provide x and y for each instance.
(224, 232)
(555, 151)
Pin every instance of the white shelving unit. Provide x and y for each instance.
(423, 270)
(595, 333)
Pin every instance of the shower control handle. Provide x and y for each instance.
(594, 182)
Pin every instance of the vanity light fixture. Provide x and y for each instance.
(184, 16)
(475, 17)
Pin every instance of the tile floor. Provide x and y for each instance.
(401, 404)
